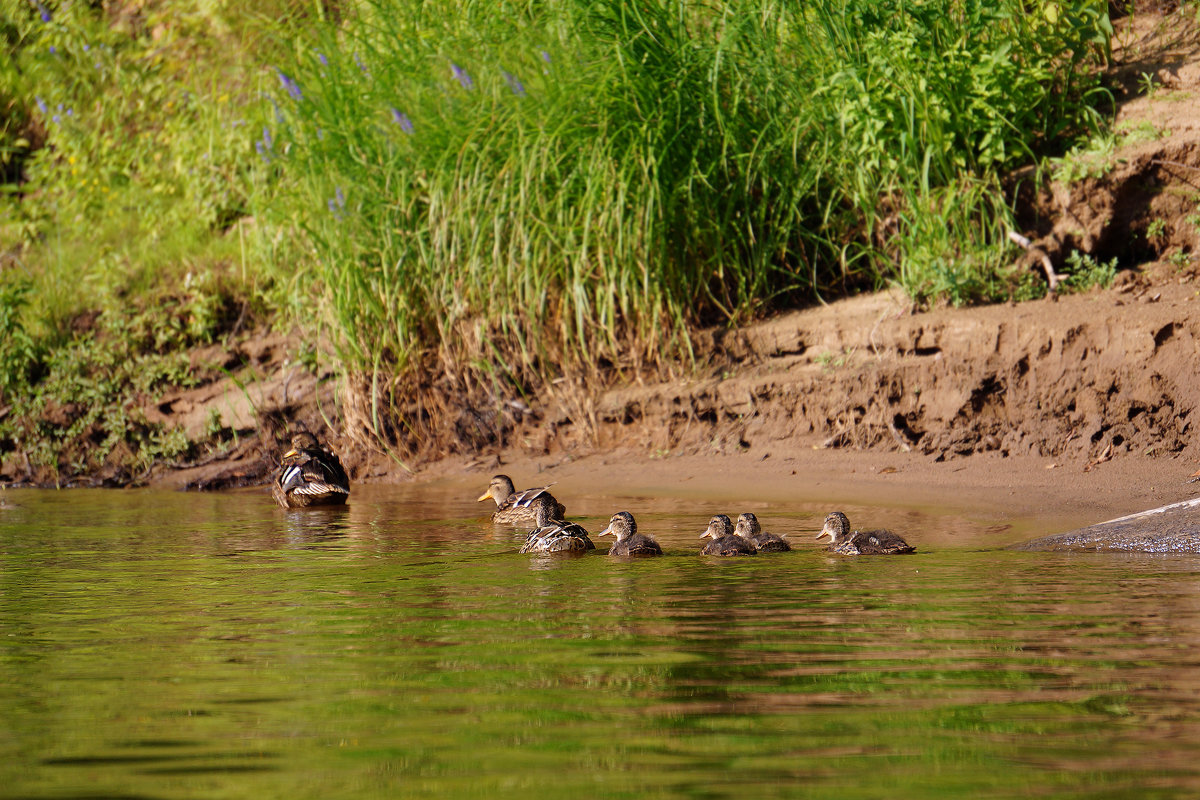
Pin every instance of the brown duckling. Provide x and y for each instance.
(629, 541)
(861, 543)
(553, 534)
(724, 541)
(749, 529)
(517, 508)
(310, 475)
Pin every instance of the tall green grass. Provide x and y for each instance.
(525, 189)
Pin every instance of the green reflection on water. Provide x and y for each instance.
(179, 646)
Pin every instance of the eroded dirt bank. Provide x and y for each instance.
(1082, 407)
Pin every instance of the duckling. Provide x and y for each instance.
(517, 508)
(861, 543)
(555, 535)
(310, 475)
(749, 529)
(629, 541)
(724, 542)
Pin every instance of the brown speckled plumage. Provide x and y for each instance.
(748, 528)
(629, 541)
(309, 474)
(555, 535)
(861, 543)
(517, 508)
(724, 541)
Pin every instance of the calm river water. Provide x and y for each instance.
(163, 645)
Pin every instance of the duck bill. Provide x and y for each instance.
(292, 452)
(606, 531)
(824, 533)
(484, 496)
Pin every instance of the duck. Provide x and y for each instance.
(629, 541)
(553, 534)
(724, 541)
(310, 475)
(517, 508)
(861, 543)
(749, 529)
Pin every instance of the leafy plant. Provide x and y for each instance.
(1084, 272)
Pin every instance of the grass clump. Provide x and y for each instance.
(515, 191)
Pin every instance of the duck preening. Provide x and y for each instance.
(517, 508)
(861, 543)
(553, 534)
(310, 474)
(629, 541)
(724, 541)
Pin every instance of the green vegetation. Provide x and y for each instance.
(1084, 272)
(484, 197)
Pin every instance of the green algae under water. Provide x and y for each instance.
(158, 645)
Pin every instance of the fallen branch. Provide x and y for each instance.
(1052, 277)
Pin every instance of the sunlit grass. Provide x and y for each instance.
(541, 187)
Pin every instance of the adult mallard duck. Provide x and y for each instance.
(724, 541)
(629, 541)
(749, 529)
(555, 535)
(517, 508)
(310, 475)
(861, 543)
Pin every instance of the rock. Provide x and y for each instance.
(1173, 528)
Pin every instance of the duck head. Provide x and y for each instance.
(622, 525)
(718, 526)
(499, 489)
(836, 526)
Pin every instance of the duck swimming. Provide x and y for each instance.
(749, 529)
(554, 535)
(861, 543)
(629, 541)
(724, 542)
(310, 475)
(517, 508)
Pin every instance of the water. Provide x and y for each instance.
(158, 645)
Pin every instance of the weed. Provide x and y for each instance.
(1084, 272)
(1156, 228)
(1180, 259)
(1148, 84)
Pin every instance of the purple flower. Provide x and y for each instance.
(87, 47)
(514, 83)
(321, 57)
(290, 85)
(41, 104)
(53, 49)
(358, 60)
(43, 11)
(56, 118)
(337, 204)
(267, 141)
(545, 56)
(401, 119)
(262, 151)
(460, 74)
